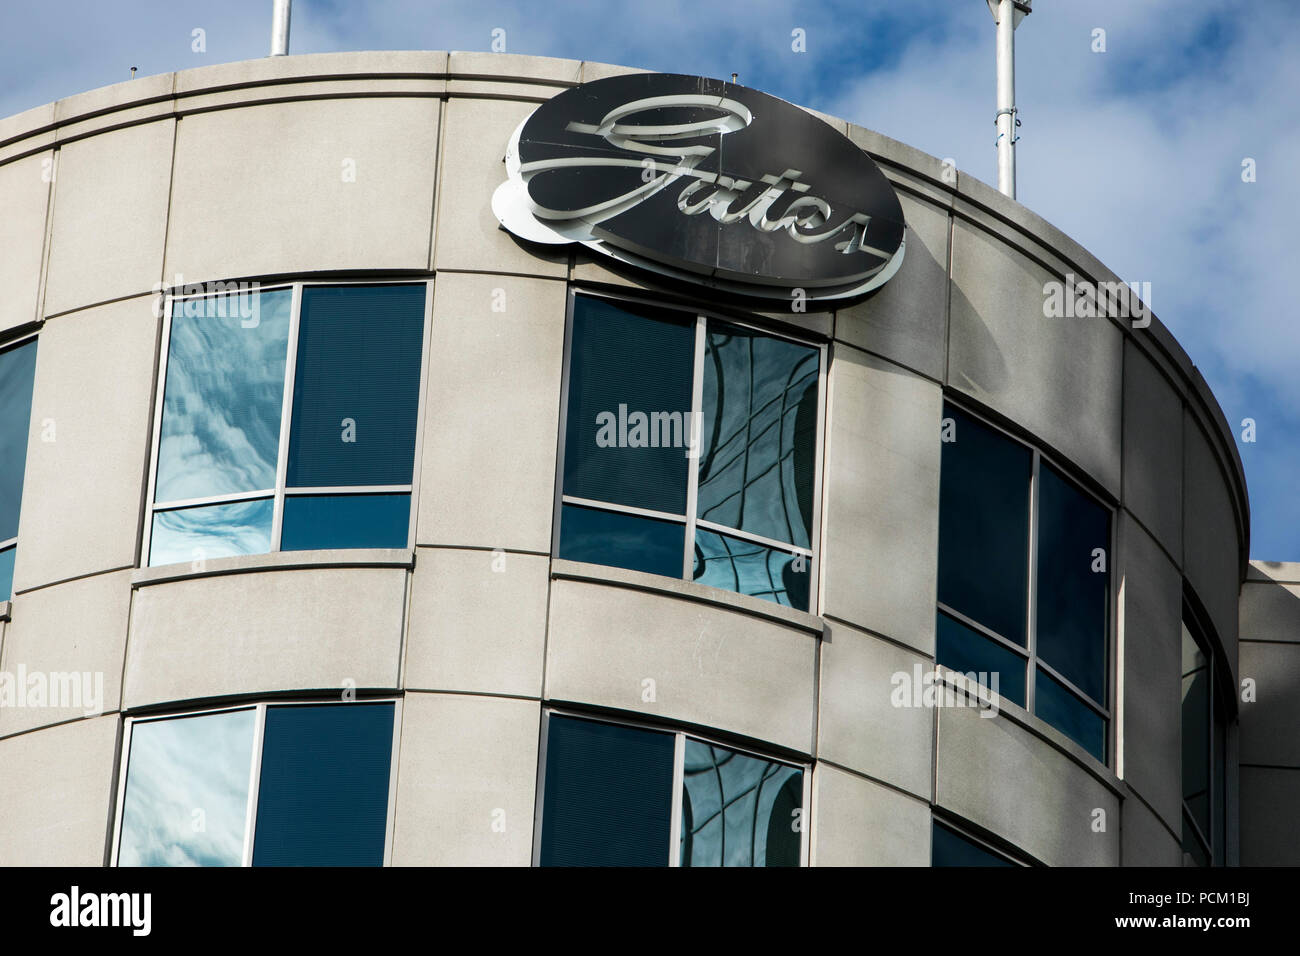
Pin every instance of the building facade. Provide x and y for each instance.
(341, 529)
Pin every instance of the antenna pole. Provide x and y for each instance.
(280, 28)
(1007, 14)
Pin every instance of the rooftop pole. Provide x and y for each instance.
(1007, 14)
(280, 28)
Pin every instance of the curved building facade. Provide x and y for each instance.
(351, 528)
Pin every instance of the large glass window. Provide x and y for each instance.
(1024, 578)
(691, 450)
(1203, 759)
(288, 421)
(266, 785)
(609, 799)
(17, 375)
(950, 846)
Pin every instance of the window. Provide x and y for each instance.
(691, 450)
(950, 846)
(1024, 579)
(287, 421)
(618, 795)
(17, 375)
(1204, 733)
(266, 785)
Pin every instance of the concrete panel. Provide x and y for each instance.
(73, 636)
(288, 204)
(56, 790)
(709, 665)
(488, 472)
(1000, 776)
(858, 726)
(24, 197)
(906, 320)
(1058, 377)
(90, 418)
(1268, 725)
(268, 631)
(311, 66)
(1270, 611)
(1210, 536)
(110, 216)
(1153, 447)
(1269, 834)
(478, 622)
(467, 779)
(1152, 611)
(473, 160)
(881, 529)
(1144, 840)
(859, 823)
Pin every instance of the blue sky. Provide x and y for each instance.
(1135, 152)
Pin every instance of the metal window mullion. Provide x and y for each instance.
(348, 490)
(421, 414)
(693, 467)
(7, 544)
(675, 819)
(286, 418)
(1031, 604)
(1072, 688)
(229, 498)
(983, 631)
(254, 784)
(814, 543)
(390, 820)
(539, 800)
(775, 545)
(164, 354)
(124, 768)
(622, 509)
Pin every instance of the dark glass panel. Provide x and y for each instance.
(356, 389)
(621, 540)
(608, 795)
(323, 795)
(1054, 703)
(320, 522)
(17, 375)
(950, 848)
(984, 526)
(1196, 730)
(1072, 598)
(966, 651)
(628, 427)
(7, 573)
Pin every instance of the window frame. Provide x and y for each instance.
(963, 830)
(691, 521)
(259, 707)
(679, 777)
(1197, 625)
(280, 492)
(1029, 652)
(9, 345)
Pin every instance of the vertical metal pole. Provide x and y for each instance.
(1006, 116)
(280, 28)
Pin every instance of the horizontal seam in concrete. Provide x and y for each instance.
(876, 634)
(822, 761)
(482, 547)
(59, 723)
(1133, 792)
(75, 577)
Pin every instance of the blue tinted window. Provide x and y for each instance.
(17, 374)
(222, 400)
(759, 434)
(356, 386)
(628, 423)
(1071, 716)
(738, 810)
(724, 561)
(1196, 731)
(1072, 598)
(7, 573)
(950, 848)
(345, 521)
(608, 795)
(984, 527)
(965, 650)
(621, 540)
(323, 795)
(211, 531)
(181, 771)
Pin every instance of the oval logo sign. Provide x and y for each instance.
(706, 181)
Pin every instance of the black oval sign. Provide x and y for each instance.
(704, 180)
